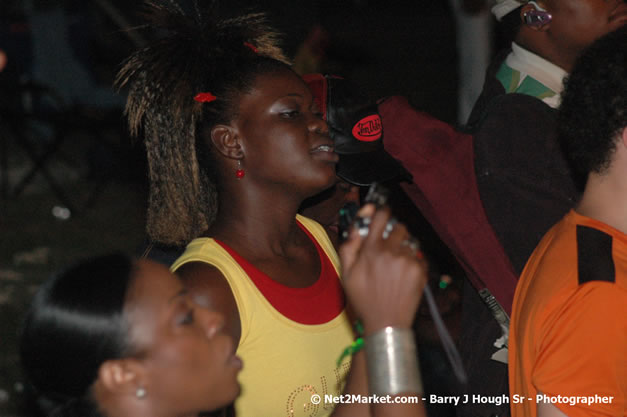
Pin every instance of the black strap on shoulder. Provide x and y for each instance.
(594, 255)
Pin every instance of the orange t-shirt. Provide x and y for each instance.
(568, 336)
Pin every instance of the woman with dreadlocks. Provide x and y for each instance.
(235, 144)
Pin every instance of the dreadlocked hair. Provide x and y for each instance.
(192, 53)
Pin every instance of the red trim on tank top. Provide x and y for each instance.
(319, 303)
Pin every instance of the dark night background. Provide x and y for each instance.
(92, 167)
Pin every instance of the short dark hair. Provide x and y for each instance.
(192, 53)
(594, 103)
(75, 323)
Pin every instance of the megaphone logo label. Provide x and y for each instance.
(368, 129)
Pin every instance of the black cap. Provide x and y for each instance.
(356, 129)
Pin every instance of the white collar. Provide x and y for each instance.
(536, 67)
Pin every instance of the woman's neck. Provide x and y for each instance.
(125, 406)
(260, 224)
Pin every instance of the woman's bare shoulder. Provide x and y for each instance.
(209, 288)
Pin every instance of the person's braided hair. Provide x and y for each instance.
(194, 52)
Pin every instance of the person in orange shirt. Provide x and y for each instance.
(568, 336)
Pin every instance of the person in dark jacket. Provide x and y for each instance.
(493, 191)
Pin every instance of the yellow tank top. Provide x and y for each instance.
(285, 362)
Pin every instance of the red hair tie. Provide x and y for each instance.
(251, 46)
(205, 97)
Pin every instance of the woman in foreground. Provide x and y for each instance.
(117, 337)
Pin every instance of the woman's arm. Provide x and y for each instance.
(210, 289)
(384, 281)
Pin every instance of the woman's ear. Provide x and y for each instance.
(227, 141)
(121, 376)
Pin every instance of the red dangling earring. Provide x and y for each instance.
(240, 172)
